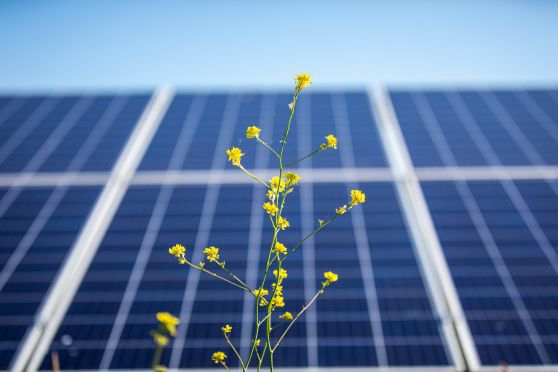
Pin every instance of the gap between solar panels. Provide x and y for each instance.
(61, 294)
(429, 251)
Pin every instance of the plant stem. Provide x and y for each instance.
(266, 145)
(304, 157)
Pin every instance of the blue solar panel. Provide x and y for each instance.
(67, 133)
(203, 114)
(37, 231)
(132, 277)
(500, 240)
(481, 127)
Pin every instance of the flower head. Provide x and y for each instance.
(159, 339)
(235, 154)
(260, 292)
(252, 132)
(282, 274)
(302, 81)
(226, 329)
(330, 277)
(286, 316)
(270, 195)
(331, 141)
(160, 368)
(257, 342)
(278, 301)
(168, 322)
(218, 357)
(178, 251)
(212, 253)
(280, 248)
(292, 178)
(341, 210)
(278, 289)
(283, 223)
(270, 208)
(277, 184)
(357, 197)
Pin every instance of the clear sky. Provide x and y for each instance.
(209, 43)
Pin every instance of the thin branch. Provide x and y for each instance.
(304, 157)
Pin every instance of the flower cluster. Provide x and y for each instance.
(269, 293)
(166, 329)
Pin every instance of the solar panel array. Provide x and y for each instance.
(39, 224)
(498, 236)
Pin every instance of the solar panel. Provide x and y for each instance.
(500, 242)
(66, 133)
(481, 127)
(37, 231)
(390, 308)
(113, 310)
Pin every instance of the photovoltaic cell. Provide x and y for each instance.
(66, 133)
(37, 230)
(500, 240)
(481, 127)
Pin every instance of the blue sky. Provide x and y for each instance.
(141, 44)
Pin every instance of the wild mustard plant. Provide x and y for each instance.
(268, 333)
(166, 329)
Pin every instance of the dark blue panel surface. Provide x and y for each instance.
(479, 127)
(66, 133)
(201, 119)
(500, 240)
(36, 233)
(132, 277)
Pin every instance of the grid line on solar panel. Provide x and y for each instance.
(37, 231)
(512, 241)
(49, 132)
(363, 128)
(519, 126)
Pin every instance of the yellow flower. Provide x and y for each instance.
(160, 339)
(302, 81)
(252, 132)
(330, 277)
(357, 197)
(260, 292)
(270, 195)
(331, 142)
(283, 223)
(257, 342)
(168, 322)
(177, 250)
(226, 329)
(167, 318)
(234, 155)
(292, 178)
(277, 184)
(212, 253)
(286, 316)
(341, 210)
(278, 289)
(218, 357)
(280, 248)
(278, 301)
(282, 273)
(270, 208)
(160, 368)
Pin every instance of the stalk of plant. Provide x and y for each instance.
(271, 323)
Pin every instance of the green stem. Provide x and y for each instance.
(253, 176)
(157, 356)
(269, 148)
(298, 316)
(235, 352)
(218, 277)
(304, 157)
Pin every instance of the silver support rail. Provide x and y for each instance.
(427, 245)
(38, 338)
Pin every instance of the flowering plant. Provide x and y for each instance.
(269, 300)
